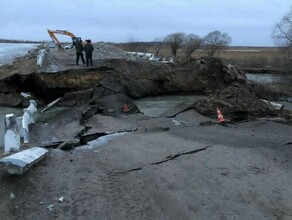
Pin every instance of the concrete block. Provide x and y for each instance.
(32, 110)
(25, 122)
(12, 134)
(276, 106)
(20, 162)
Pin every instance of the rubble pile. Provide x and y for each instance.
(106, 51)
(237, 103)
(229, 90)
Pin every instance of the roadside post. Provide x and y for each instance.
(29, 117)
(40, 57)
(12, 134)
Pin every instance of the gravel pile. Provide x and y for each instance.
(107, 51)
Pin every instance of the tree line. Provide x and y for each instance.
(18, 41)
(216, 40)
(212, 42)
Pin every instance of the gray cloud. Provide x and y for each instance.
(247, 22)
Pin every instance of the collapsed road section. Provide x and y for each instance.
(226, 86)
(163, 167)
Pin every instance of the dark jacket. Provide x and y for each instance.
(88, 48)
(79, 47)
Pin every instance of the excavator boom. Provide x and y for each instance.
(63, 32)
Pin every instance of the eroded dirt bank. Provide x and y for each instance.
(227, 85)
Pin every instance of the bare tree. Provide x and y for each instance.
(192, 42)
(215, 41)
(174, 40)
(158, 42)
(282, 33)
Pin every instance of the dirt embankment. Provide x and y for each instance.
(227, 85)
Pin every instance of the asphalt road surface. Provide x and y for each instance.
(162, 168)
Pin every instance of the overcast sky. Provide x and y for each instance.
(248, 22)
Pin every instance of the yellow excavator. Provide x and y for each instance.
(63, 32)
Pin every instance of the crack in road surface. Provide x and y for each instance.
(168, 158)
(178, 155)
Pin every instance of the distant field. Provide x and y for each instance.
(257, 59)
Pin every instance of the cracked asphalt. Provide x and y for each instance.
(162, 170)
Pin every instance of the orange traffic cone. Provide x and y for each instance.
(125, 107)
(220, 116)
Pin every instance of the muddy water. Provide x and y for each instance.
(280, 79)
(270, 78)
(154, 106)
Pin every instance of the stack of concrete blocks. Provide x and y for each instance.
(150, 56)
(17, 128)
(141, 54)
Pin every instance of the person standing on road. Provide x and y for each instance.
(79, 52)
(88, 48)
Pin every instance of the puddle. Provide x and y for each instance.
(155, 106)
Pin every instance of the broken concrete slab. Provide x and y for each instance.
(20, 162)
(108, 124)
(181, 107)
(192, 118)
(60, 131)
(104, 125)
(153, 129)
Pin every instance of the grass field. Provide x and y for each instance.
(255, 59)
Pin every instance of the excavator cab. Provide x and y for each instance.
(76, 40)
